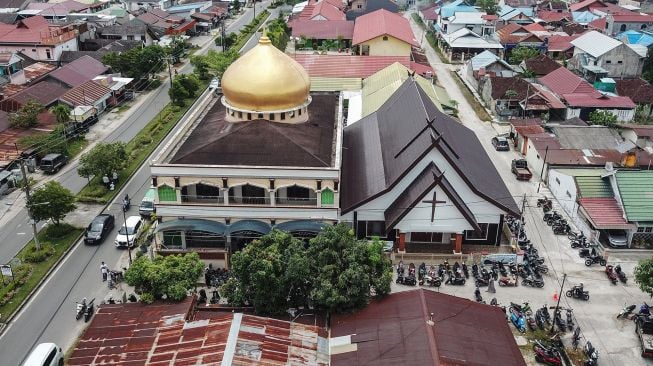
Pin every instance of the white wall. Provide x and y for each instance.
(535, 160)
(563, 188)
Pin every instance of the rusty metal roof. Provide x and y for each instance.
(164, 334)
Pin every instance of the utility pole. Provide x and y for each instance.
(521, 221)
(553, 323)
(254, 2)
(168, 59)
(29, 204)
(546, 152)
(224, 40)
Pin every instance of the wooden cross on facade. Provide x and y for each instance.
(437, 178)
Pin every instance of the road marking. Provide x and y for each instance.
(20, 233)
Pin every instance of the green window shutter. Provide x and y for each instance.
(327, 197)
(167, 194)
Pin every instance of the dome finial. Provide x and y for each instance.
(264, 37)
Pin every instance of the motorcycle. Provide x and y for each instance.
(477, 295)
(541, 202)
(626, 311)
(530, 321)
(570, 320)
(533, 282)
(517, 319)
(644, 310)
(465, 271)
(557, 318)
(587, 252)
(595, 259)
(88, 312)
(547, 354)
(612, 276)
(400, 268)
(620, 274)
(561, 229)
(541, 318)
(577, 292)
(411, 269)
(481, 282)
(592, 354)
(507, 281)
(575, 244)
(126, 203)
(407, 280)
(541, 268)
(575, 339)
(80, 309)
(431, 279)
(456, 281)
(421, 273)
(576, 236)
(525, 308)
(475, 271)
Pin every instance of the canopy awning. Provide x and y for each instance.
(193, 225)
(249, 225)
(301, 225)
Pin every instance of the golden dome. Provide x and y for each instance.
(265, 79)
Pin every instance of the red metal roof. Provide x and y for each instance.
(529, 130)
(323, 29)
(604, 212)
(383, 22)
(87, 94)
(632, 17)
(327, 11)
(394, 331)
(598, 24)
(79, 71)
(586, 4)
(561, 43)
(430, 13)
(44, 92)
(346, 66)
(554, 16)
(599, 101)
(164, 334)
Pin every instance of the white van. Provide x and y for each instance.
(45, 354)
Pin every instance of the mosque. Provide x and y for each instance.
(269, 153)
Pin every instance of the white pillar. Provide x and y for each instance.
(225, 194)
(272, 198)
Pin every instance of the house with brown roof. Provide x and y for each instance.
(514, 96)
(165, 23)
(90, 94)
(429, 15)
(38, 39)
(383, 33)
(559, 47)
(78, 72)
(512, 35)
(540, 65)
(640, 135)
(319, 31)
(45, 92)
(422, 327)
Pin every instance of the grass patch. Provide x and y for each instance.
(249, 30)
(123, 108)
(418, 20)
(76, 146)
(476, 105)
(35, 271)
(139, 148)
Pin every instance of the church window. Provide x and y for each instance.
(240, 114)
(300, 111)
(327, 197)
(283, 116)
(167, 194)
(260, 116)
(271, 116)
(385, 38)
(249, 116)
(477, 234)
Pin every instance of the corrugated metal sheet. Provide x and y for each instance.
(326, 84)
(604, 213)
(589, 182)
(595, 43)
(636, 189)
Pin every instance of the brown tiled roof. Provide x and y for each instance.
(501, 85)
(263, 143)
(573, 28)
(323, 29)
(380, 23)
(541, 65)
(640, 91)
(371, 166)
(395, 331)
(44, 92)
(79, 71)
(85, 94)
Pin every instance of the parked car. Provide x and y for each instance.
(520, 169)
(52, 163)
(147, 208)
(45, 354)
(132, 230)
(500, 143)
(617, 238)
(98, 229)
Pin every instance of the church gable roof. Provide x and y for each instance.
(384, 146)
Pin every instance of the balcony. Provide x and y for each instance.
(204, 200)
(249, 200)
(296, 201)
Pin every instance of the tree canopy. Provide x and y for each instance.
(279, 33)
(603, 118)
(170, 276)
(27, 115)
(52, 201)
(138, 62)
(61, 113)
(644, 276)
(178, 93)
(334, 272)
(521, 53)
(647, 70)
(218, 62)
(103, 160)
(488, 6)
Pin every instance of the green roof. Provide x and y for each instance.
(589, 182)
(324, 84)
(380, 86)
(636, 189)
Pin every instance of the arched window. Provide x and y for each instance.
(167, 194)
(327, 197)
(643, 27)
(622, 28)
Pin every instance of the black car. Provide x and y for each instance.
(500, 143)
(98, 229)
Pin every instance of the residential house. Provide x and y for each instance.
(136, 5)
(622, 22)
(514, 97)
(640, 91)
(640, 135)
(597, 55)
(114, 46)
(429, 319)
(509, 15)
(513, 35)
(323, 10)
(320, 67)
(316, 32)
(447, 11)
(522, 3)
(429, 15)
(37, 39)
(560, 47)
(553, 6)
(463, 44)
(540, 65)
(554, 19)
(475, 21)
(78, 72)
(581, 98)
(591, 5)
(134, 30)
(584, 17)
(166, 24)
(484, 64)
(90, 93)
(383, 33)
(187, 9)
(11, 67)
(46, 93)
(603, 200)
(358, 8)
(118, 86)
(643, 38)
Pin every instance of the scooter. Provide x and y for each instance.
(620, 274)
(431, 279)
(480, 281)
(465, 270)
(547, 355)
(576, 236)
(507, 281)
(543, 201)
(517, 319)
(406, 280)
(400, 268)
(595, 259)
(562, 326)
(88, 312)
(126, 203)
(626, 311)
(80, 309)
(592, 354)
(570, 320)
(575, 339)
(612, 276)
(456, 281)
(525, 308)
(530, 320)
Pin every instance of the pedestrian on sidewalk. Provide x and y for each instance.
(105, 271)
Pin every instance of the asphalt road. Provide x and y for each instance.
(49, 316)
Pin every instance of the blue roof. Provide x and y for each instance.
(583, 16)
(484, 59)
(636, 37)
(182, 7)
(507, 11)
(458, 6)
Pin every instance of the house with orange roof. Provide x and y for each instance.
(38, 39)
(383, 33)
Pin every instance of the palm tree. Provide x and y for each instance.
(61, 113)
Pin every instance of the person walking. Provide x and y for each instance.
(105, 271)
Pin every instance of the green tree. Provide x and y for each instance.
(346, 271)
(61, 113)
(521, 53)
(488, 6)
(170, 276)
(46, 143)
(602, 118)
(27, 115)
(647, 70)
(137, 63)
(219, 61)
(178, 93)
(235, 6)
(103, 159)
(52, 201)
(201, 67)
(279, 33)
(176, 49)
(190, 83)
(644, 276)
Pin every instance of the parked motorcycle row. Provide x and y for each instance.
(432, 276)
(533, 266)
